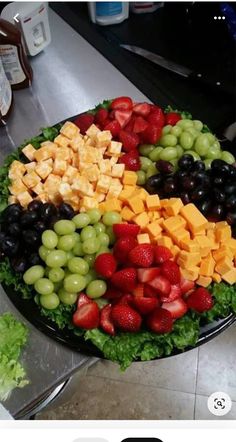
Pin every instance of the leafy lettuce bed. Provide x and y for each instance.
(124, 348)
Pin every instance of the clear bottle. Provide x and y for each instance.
(14, 60)
(6, 98)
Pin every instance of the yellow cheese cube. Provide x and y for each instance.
(153, 202)
(190, 245)
(231, 243)
(165, 241)
(70, 174)
(173, 223)
(223, 234)
(76, 142)
(101, 207)
(44, 168)
(52, 184)
(59, 167)
(61, 141)
(17, 187)
(114, 189)
(24, 198)
(92, 131)
(204, 281)
(82, 186)
(114, 148)
(12, 199)
(195, 220)
(113, 205)
(126, 193)
(63, 154)
(230, 276)
(136, 204)
(92, 173)
(113, 160)
(30, 166)
(143, 238)
(118, 170)
(17, 170)
(38, 188)
(65, 190)
(69, 129)
(141, 219)
(154, 229)
(189, 259)
(99, 196)
(174, 206)
(105, 167)
(31, 179)
(103, 183)
(43, 197)
(130, 178)
(191, 274)
(127, 214)
(89, 203)
(175, 251)
(29, 152)
(216, 277)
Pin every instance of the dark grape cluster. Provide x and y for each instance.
(213, 190)
(21, 230)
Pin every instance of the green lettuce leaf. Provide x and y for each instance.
(10, 278)
(12, 375)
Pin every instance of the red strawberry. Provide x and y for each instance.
(142, 255)
(152, 134)
(172, 118)
(142, 109)
(87, 316)
(186, 285)
(126, 299)
(138, 291)
(129, 140)
(105, 265)
(114, 127)
(145, 305)
(140, 125)
(177, 308)
(126, 318)
(161, 284)
(146, 275)
(105, 320)
(130, 160)
(156, 117)
(123, 117)
(171, 271)
(112, 293)
(130, 125)
(175, 293)
(84, 121)
(101, 116)
(122, 248)
(125, 279)
(150, 292)
(83, 300)
(200, 300)
(162, 254)
(160, 321)
(121, 230)
(124, 103)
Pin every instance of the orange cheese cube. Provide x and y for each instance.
(165, 241)
(17, 187)
(153, 202)
(141, 193)
(204, 281)
(31, 179)
(17, 170)
(29, 152)
(231, 243)
(100, 197)
(136, 204)
(29, 167)
(180, 235)
(223, 234)
(143, 238)
(201, 232)
(174, 223)
(191, 274)
(207, 266)
(24, 198)
(220, 224)
(113, 205)
(224, 265)
(174, 206)
(141, 219)
(154, 229)
(175, 250)
(211, 226)
(129, 178)
(188, 259)
(164, 202)
(195, 220)
(222, 252)
(204, 244)
(230, 276)
(127, 214)
(126, 193)
(216, 277)
(190, 245)
(101, 207)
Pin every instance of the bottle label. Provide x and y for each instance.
(5, 92)
(11, 64)
(108, 8)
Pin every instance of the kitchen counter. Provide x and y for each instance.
(70, 76)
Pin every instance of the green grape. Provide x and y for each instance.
(87, 232)
(66, 243)
(166, 129)
(211, 138)
(145, 163)
(186, 140)
(193, 153)
(110, 233)
(145, 149)
(49, 302)
(81, 220)
(99, 228)
(175, 164)
(155, 154)
(104, 239)
(46, 271)
(67, 273)
(43, 252)
(169, 153)
(95, 289)
(94, 215)
(202, 144)
(66, 297)
(180, 151)
(141, 177)
(103, 249)
(216, 144)
(168, 140)
(227, 157)
(111, 218)
(56, 275)
(176, 131)
(101, 302)
(57, 286)
(213, 153)
(57, 258)
(208, 163)
(76, 236)
(78, 265)
(91, 275)
(44, 286)
(69, 255)
(49, 239)
(33, 274)
(91, 245)
(78, 249)
(198, 125)
(64, 227)
(90, 259)
(185, 123)
(152, 170)
(74, 283)
(193, 132)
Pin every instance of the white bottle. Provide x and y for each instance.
(108, 13)
(5, 96)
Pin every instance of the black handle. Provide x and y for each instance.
(215, 86)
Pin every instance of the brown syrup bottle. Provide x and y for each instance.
(6, 98)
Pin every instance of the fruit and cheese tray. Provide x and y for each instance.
(119, 226)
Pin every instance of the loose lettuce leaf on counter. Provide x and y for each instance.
(12, 375)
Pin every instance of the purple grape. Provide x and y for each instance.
(231, 218)
(164, 167)
(188, 183)
(198, 194)
(185, 162)
(219, 195)
(185, 197)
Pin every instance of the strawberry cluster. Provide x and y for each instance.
(144, 288)
(130, 123)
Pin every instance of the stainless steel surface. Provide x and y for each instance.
(70, 76)
(161, 61)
